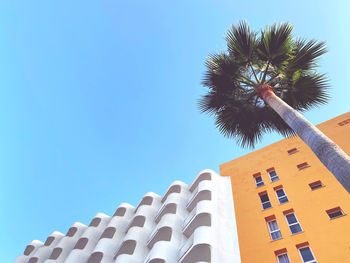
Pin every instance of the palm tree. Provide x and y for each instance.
(262, 83)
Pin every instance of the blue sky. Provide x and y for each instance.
(98, 100)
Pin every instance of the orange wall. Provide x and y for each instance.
(328, 239)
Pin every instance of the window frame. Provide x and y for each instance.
(279, 198)
(257, 183)
(277, 256)
(336, 210)
(271, 177)
(303, 165)
(312, 253)
(292, 151)
(320, 185)
(289, 225)
(262, 203)
(274, 231)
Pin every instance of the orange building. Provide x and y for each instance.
(288, 206)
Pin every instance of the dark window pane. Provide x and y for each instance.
(95, 222)
(49, 241)
(28, 250)
(71, 232)
(81, 243)
(306, 254)
(264, 198)
(316, 186)
(283, 258)
(335, 214)
(295, 228)
(276, 235)
(291, 218)
(266, 205)
(260, 184)
(280, 192)
(283, 200)
(56, 253)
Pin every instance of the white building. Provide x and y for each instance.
(187, 224)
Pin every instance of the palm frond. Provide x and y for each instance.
(274, 59)
(275, 43)
(306, 91)
(305, 55)
(241, 41)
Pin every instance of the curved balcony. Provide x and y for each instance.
(124, 210)
(138, 221)
(30, 250)
(176, 187)
(149, 199)
(198, 220)
(203, 176)
(43, 252)
(127, 248)
(169, 208)
(200, 196)
(197, 253)
(164, 250)
(162, 234)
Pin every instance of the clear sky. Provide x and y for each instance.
(98, 100)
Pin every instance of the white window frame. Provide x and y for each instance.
(262, 181)
(342, 214)
(285, 216)
(262, 203)
(285, 195)
(312, 253)
(278, 230)
(282, 255)
(273, 176)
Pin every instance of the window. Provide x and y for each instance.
(281, 195)
(265, 201)
(283, 258)
(293, 223)
(292, 151)
(33, 260)
(273, 175)
(108, 233)
(120, 211)
(275, 232)
(258, 179)
(56, 253)
(335, 212)
(95, 222)
(344, 122)
(95, 257)
(303, 166)
(306, 255)
(147, 200)
(172, 189)
(128, 247)
(316, 185)
(81, 243)
(29, 249)
(71, 232)
(138, 221)
(49, 241)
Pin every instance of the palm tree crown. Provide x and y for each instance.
(255, 61)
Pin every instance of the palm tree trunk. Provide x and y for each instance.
(334, 158)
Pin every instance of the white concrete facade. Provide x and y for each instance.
(188, 224)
